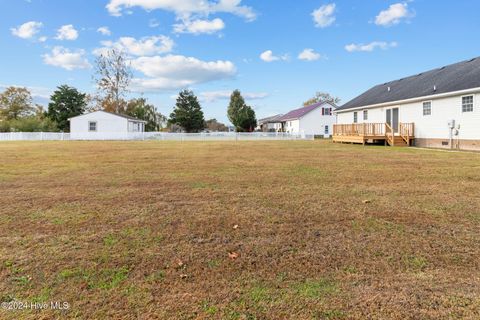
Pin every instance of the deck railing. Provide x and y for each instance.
(359, 129)
(407, 131)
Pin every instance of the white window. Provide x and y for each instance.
(427, 108)
(92, 126)
(355, 117)
(365, 115)
(327, 111)
(467, 104)
(326, 130)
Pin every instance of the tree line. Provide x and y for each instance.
(112, 77)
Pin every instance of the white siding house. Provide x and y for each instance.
(270, 124)
(442, 104)
(317, 119)
(102, 124)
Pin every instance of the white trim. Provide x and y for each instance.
(423, 108)
(465, 92)
(89, 126)
(473, 102)
(110, 113)
(298, 118)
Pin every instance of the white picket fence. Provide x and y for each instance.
(162, 136)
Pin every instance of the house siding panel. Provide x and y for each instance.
(434, 127)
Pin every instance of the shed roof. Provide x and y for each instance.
(455, 77)
(112, 113)
(271, 119)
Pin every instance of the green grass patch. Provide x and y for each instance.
(316, 289)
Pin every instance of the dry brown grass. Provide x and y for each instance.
(144, 230)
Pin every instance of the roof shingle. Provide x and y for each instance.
(300, 112)
(459, 76)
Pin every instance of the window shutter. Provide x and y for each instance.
(323, 111)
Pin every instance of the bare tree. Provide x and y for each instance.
(322, 96)
(112, 76)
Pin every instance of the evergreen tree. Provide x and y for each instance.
(240, 115)
(66, 102)
(188, 113)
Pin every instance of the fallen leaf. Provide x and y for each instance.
(233, 255)
(180, 264)
(366, 201)
(235, 226)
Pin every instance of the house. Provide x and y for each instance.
(438, 108)
(270, 124)
(316, 119)
(103, 124)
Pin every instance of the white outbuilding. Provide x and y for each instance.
(104, 125)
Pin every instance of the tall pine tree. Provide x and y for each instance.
(240, 115)
(188, 113)
(66, 102)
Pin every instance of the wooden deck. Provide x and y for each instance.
(364, 133)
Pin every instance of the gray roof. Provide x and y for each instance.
(271, 119)
(459, 76)
(124, 116)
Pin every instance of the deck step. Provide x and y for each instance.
(399, 142)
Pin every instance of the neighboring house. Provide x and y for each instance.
(317, 119)
(437, 108)
(104, 124)
(270, 124)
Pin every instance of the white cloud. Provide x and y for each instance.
(175, 71)
(393, 15)
(145, 46)
(324, 16)
(199, 26)
(309, 55)
(370, 46)
(268, 56)
(42, 39)
(184, 8)
(153, 23)
(104, 31)
(27, 30)
(66, 59)
(67, 32)
(212, 96)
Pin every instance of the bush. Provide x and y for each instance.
(28, 124)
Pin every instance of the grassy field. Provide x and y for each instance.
(247, 230)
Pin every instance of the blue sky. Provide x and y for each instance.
(278, 53)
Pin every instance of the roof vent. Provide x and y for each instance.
(442, 68)
(419, 74)
(434, 88)
(472, 60)
(388, 89)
